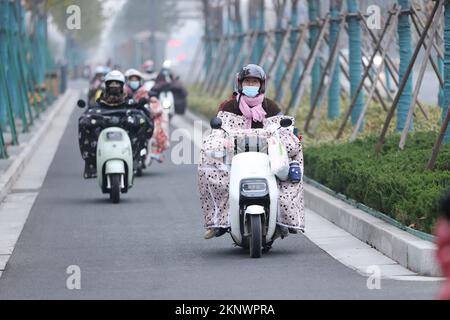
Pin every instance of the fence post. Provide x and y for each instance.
(279, 10)
(20, 102)
(335, 86)
(404, 38)
(441, 97)
(5, 69)
(261, 27)
(314, 30)
(208, 36)
(20, 56)
(355, 57)
(295, 21)
(447, 68)
(440, 63)
(3, 92)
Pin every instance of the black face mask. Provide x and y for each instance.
(115, 91)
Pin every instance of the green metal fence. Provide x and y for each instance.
(28, 77)
(302, 55)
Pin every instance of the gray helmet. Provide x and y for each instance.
(252, 71)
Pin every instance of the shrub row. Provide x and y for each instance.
(395, 182)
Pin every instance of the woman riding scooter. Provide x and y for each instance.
(160, 140)
(113, 98)
(134, 87)
(248, 109)
(149, 74)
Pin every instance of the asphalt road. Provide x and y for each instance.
(151, 247)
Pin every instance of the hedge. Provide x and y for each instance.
(395, 182)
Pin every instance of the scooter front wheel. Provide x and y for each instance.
(114, 194)
(256, 236)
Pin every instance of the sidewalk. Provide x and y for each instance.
(21, 175)
(19, 156)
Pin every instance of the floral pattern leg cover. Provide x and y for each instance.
(160, 141)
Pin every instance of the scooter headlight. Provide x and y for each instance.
(114, 136)
(255, 188)
(166, 104)
(115, 120)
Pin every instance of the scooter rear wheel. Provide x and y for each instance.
(255, 237)
(115, 188)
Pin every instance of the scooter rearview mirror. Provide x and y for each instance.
(81, 104)
(286, 123)
(216, 123)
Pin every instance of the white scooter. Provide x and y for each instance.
(114, 162)
(114, 159)
(253, 195)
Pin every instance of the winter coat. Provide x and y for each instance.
(231, 105)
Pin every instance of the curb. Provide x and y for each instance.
(12, 174)
(409, 251)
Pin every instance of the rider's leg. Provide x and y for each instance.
(90, 168)
(88, 148)
(139, 138)
(159, 141)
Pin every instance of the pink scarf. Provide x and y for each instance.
(252, 109)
